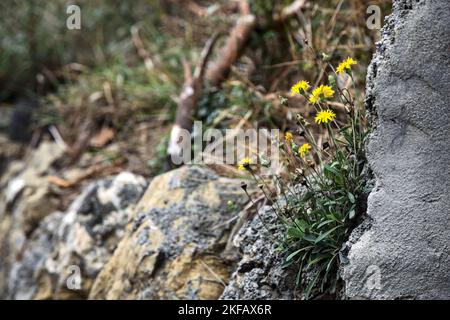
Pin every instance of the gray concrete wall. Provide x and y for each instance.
(404, 254)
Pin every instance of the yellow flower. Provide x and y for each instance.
(299, 87)
(324, 116)
(288, 136)
(244, 164)
(340, 68)
(327, 91)
(317, 91)
(320, 92)
(313, 99)
(304, 149)
(345, 65)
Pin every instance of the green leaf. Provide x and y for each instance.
(351, 197)
(326, 234)
(324, 223)
(287, 263)
(329, 169)
(295, 232)
(351, 214)
(330, 264)
(318, 259)
(310, 238)
(298, 277)
(301, 224)
(333, 217)
(293, 254)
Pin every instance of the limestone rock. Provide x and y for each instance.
(172, 247)
(27, 180)
(80, 240)
(259, 274)
(405, 251)
(25, 199)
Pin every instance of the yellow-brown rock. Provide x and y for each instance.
(172, 246)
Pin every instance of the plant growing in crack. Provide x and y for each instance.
(327, 188)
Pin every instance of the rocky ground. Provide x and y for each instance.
(127, 238)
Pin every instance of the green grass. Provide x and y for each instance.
(325, 213)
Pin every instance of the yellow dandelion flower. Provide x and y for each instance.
(320, 92)
(304, 149)
(315, 95)
(317, 91)
(288, 136)
(299, 87)
(327, 91)
(244, 164)
(324, 116)
(313, 99)
(340, 68)
(350, 62)
(345, 65)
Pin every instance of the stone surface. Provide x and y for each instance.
(77, 242)
(27, 180)
(259, 275)
(25, 199)
(404, 253)
(172, 248)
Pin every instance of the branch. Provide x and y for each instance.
(187, 101)
(234, 46)
(219, 69)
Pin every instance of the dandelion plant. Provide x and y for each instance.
(319, 216)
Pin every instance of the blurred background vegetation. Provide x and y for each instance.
(110, 89)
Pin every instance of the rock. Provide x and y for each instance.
(405, 252)
(26, 198)
(172, 247)
(28, 181)
(9, 150)
(259, 274)
(22, 283)
(75, 244)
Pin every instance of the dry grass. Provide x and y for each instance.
(136, 98)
